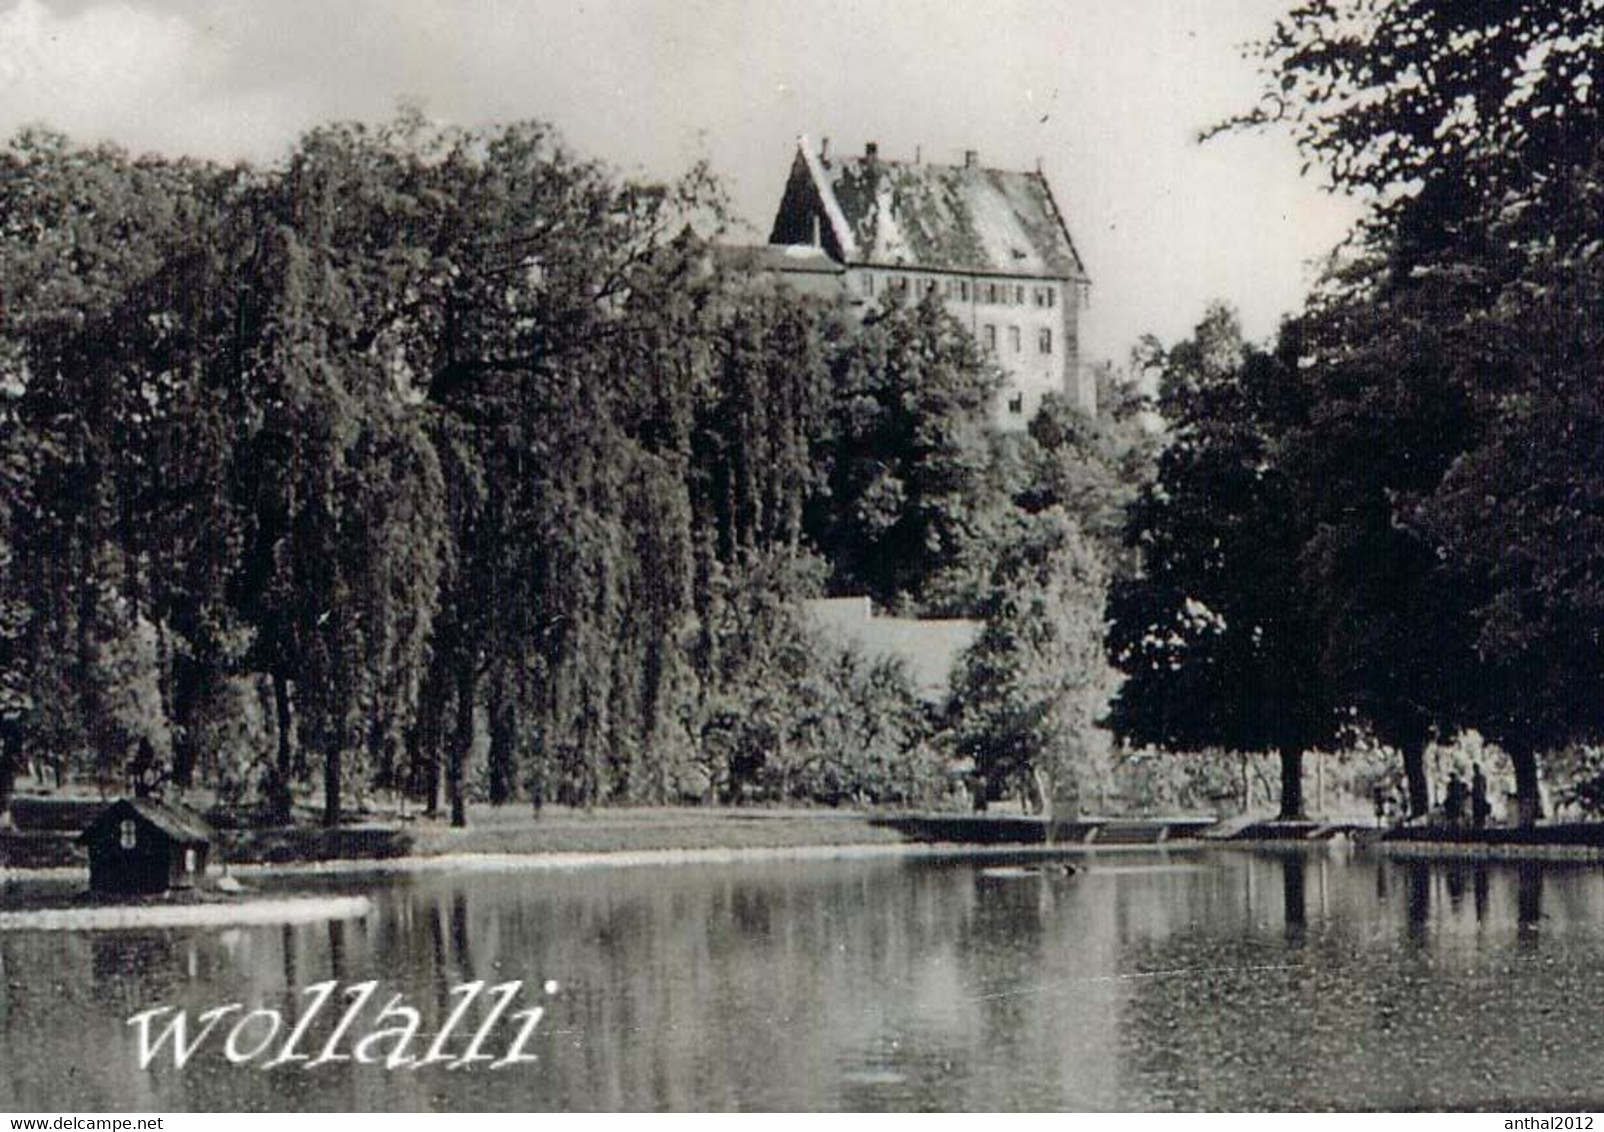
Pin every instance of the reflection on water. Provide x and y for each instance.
(1217, 981)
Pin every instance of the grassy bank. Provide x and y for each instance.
(515, 831)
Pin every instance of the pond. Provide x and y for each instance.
(1217, 980)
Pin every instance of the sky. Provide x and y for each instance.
(1108, 95)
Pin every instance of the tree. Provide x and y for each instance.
(105, 260)
(1440, 107)
(1475, 128)
(1030, 694)
(1384, 372)
(910, 490)
(1518, 515)
(1213, 629)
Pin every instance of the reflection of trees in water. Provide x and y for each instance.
(1529, 897)
(1417, 964)
(1417, 899)
(1455, 874)
(1263, 981)
(1294, 896)
(129, 959)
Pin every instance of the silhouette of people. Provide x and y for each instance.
(1480, 808)
(1453, 805)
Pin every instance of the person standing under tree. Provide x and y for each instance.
(1479, 806)
(1453, 805)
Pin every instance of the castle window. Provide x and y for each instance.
(991, 338)
(963, 289)
(1016, 404)
(868, 284)
(1044, 340)
(127, 834)
(1051, 296)
(1014, 339)
(1019, 295)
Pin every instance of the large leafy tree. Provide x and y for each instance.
(1518, 515)
(105, 259)
(1213, 630)
(1383, 370)
(1474, 128)
(911, 495)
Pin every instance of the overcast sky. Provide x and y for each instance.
(1108, 94)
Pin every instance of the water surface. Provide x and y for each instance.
(1189, 981)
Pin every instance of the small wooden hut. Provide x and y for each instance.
(140, 846)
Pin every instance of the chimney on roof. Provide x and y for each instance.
(871, 152)
(971, 158)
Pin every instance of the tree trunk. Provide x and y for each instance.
(331, 783)
(503, 753)
(1414, 760)
(1291, 786)
(189, 692)
(279, 795)
(461, 745)
(1528, 801)
(10, 765)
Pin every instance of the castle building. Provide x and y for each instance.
(991, 242)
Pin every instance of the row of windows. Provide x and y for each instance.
(1001, 294)
(1044, 339)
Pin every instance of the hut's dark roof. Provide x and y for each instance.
(178, 823)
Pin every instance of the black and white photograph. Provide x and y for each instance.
(873, 556)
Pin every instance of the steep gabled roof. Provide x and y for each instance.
(941, 217)
(181, 825)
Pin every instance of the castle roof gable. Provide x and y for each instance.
(942, 217)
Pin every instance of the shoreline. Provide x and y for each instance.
(567, 861)
(255, 911)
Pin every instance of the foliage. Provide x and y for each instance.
(1441, 102)
(911, 496)
(1031, 692)
(1213, 630)
(423, 433)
